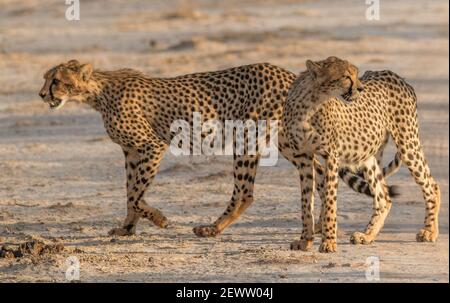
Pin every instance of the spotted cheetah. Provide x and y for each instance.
(137, 112)
(331, 113)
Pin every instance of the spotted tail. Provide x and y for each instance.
(393, 166)
(357, 182)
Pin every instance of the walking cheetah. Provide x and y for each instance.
(137, 112)
(331, 113)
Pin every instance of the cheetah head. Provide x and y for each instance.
(335, 77)
(65, 82)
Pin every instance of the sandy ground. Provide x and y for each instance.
(62, 180)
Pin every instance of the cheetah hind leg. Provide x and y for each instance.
(414, 158)
(234, 210)
(381, 203)
(206, 231)
(358, 183)
(122, 231)
(129, 226)
(242, 198)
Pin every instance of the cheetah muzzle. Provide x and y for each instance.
(56, 104)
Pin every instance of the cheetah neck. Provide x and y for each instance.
(96, 96)
(309, 97)
(96, 92)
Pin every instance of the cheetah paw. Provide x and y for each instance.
(426, 235)
(161, 221)
(360, 238)
(206, 231)
(328, 246)
(304, 245)
(120, 231)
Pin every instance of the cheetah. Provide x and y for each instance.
(331, 113)
(137, 112)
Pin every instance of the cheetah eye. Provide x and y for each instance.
(56, 81)
(348, 78)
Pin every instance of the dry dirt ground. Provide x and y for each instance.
(62, 180)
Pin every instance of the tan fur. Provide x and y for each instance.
(326, 115)
(137, 112)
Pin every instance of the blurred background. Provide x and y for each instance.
(60, 176)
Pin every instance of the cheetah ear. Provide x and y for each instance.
(86, 71)
(332, 59)
(73, 62)
(313, 68)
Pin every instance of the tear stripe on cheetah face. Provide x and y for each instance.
(65, 82)
(352, 133)
(137, 111)
(334, 78)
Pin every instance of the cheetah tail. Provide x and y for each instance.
(355, 182)
(360, 185)
(393, 166)
(394, 191)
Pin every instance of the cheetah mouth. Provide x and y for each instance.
(347, 97)
(56, 103)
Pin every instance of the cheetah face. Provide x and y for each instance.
(336, 78)
(65, 82)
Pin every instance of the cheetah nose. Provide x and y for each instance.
(42, 94)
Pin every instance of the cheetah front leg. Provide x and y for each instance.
(244, 177)
(306, 170)
(319, 180)
(314, 143)
(132, 218)
(141, 167)
(329, 221)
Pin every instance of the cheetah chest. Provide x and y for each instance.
(354, 134)
(125, 129)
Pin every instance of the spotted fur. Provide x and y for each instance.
(331, 113)
(137, 112)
